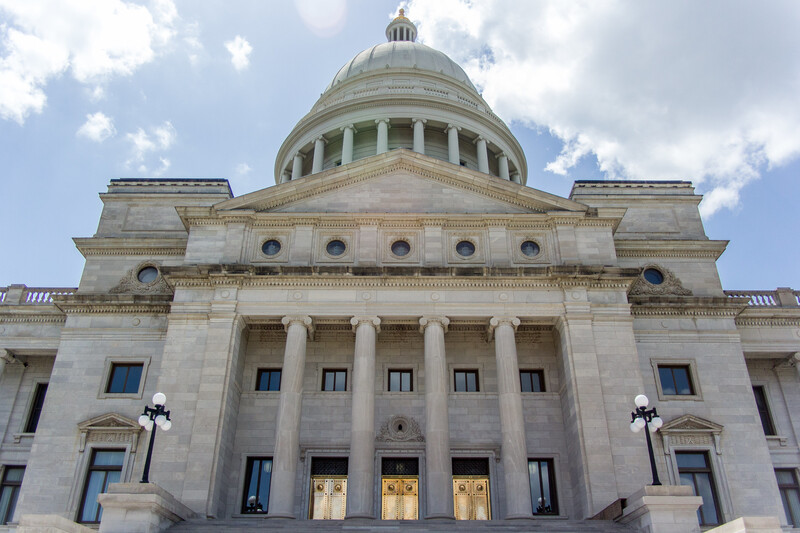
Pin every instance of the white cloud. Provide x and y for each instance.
(98, 127)
(675, 90)
(145, 146)
(94, 40)
(240, 51)
(243, 169)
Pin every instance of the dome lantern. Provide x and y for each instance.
(401, 29)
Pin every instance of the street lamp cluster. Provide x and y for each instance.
(642, 417)
(151, 419)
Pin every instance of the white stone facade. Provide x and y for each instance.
(579, 313)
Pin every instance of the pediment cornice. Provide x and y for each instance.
(670, 248)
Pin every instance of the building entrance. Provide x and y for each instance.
(399, 489)
(471, 489)
(328, 488)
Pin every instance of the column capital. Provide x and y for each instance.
(386, 120)
(480, 138)
(300, 154)
(500, 154)
(426, 321)
(452, 126)
(303, 320)
(321, 138)
(496, 321)
(373, 321)
(423, 120)
(349, 127)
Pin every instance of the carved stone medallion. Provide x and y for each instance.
(400, 429)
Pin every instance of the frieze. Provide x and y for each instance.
(400, 429)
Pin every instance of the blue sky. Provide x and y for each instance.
(92, 90)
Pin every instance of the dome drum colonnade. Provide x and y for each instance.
(401, 94)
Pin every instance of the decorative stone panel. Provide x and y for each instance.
(111, 428)
(130, 284)
(400, 429)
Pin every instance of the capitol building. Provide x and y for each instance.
(401, 331)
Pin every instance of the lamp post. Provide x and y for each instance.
(642, 417)
(160, 416)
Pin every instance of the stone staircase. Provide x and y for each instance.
(244, 525)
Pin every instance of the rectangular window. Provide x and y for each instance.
(763, 409)
(466, 381)
(105, 468)
(695, 471)
(543, 486)
(124, 378)
(9, 491)
(256, 485)
(36, 408)
(268, 380)
(334, 380)
(399, 380)
(790, 495)
(531, 380)
(675, 380)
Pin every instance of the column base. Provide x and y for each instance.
(438, 516)
(281, 515)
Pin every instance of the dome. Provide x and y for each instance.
(401, 54)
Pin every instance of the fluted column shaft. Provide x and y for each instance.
(502, 166)
(452, 144)
(383, 135)
(297, 166)
(439, 471)
(419, 135)
(319, 155)
(514, 449)
(287, 433)
(361, 466)
(483, 156)
(347, 144)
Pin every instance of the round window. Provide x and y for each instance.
(271, 247)
(401, 248)
(336, 248)
(529, 249)
(465, 248)
(147, 275)
(653, 276)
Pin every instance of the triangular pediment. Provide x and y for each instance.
(690, 423)
(109, 422)
(401, 181)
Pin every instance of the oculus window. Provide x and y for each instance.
(529, 249)
(105, 468)
(400, 380)
(334, 380)
(271, 248)
(9, 492)
(124, 378)
(147, 275)
(465, 249)
(543, 486)
(675, 380)
(36, 408)
(256, 485)
(653, 276)
(695, 471)
(268, 379)
(466, 381)
(335, 248)
(401, 248)
(531, 380)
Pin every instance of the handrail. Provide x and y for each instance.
(781, 297)
(22, 295)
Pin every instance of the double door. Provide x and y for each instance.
(400, 498)
(471, 497)
(328, 497)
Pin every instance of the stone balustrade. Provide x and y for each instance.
(24, 295)
(782, 297)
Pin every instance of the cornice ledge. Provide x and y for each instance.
(56, 316)
(706, 306)
(91, 246)
(669, 248)
(101, 303)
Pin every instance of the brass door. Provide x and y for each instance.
(471, 498)
(328, 498)
(400, 498)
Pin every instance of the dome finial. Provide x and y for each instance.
(401, 29)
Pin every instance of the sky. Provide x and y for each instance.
(92, 90)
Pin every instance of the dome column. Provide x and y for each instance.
(419, 134)
(452, 144)
(515, 177)
(285, 176)
(383, 135)
(347, 143)
(483, 156)
(502, 164)
(297, 166)
(319, 154)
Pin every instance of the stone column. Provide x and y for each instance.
(438, 465)
(361, 466)
(285, 176)
(483, 156)
(452, 144)
(419, 134)
(319, 154)
(514, 450)
(515, 177)
(502, 164)
(347, 143)
(383, 135)
(287, 432)
(297, 166)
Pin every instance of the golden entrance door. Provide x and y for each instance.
(471, 497)
(328, 498)
(399, 498)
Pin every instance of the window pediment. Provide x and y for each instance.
(110, 428)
